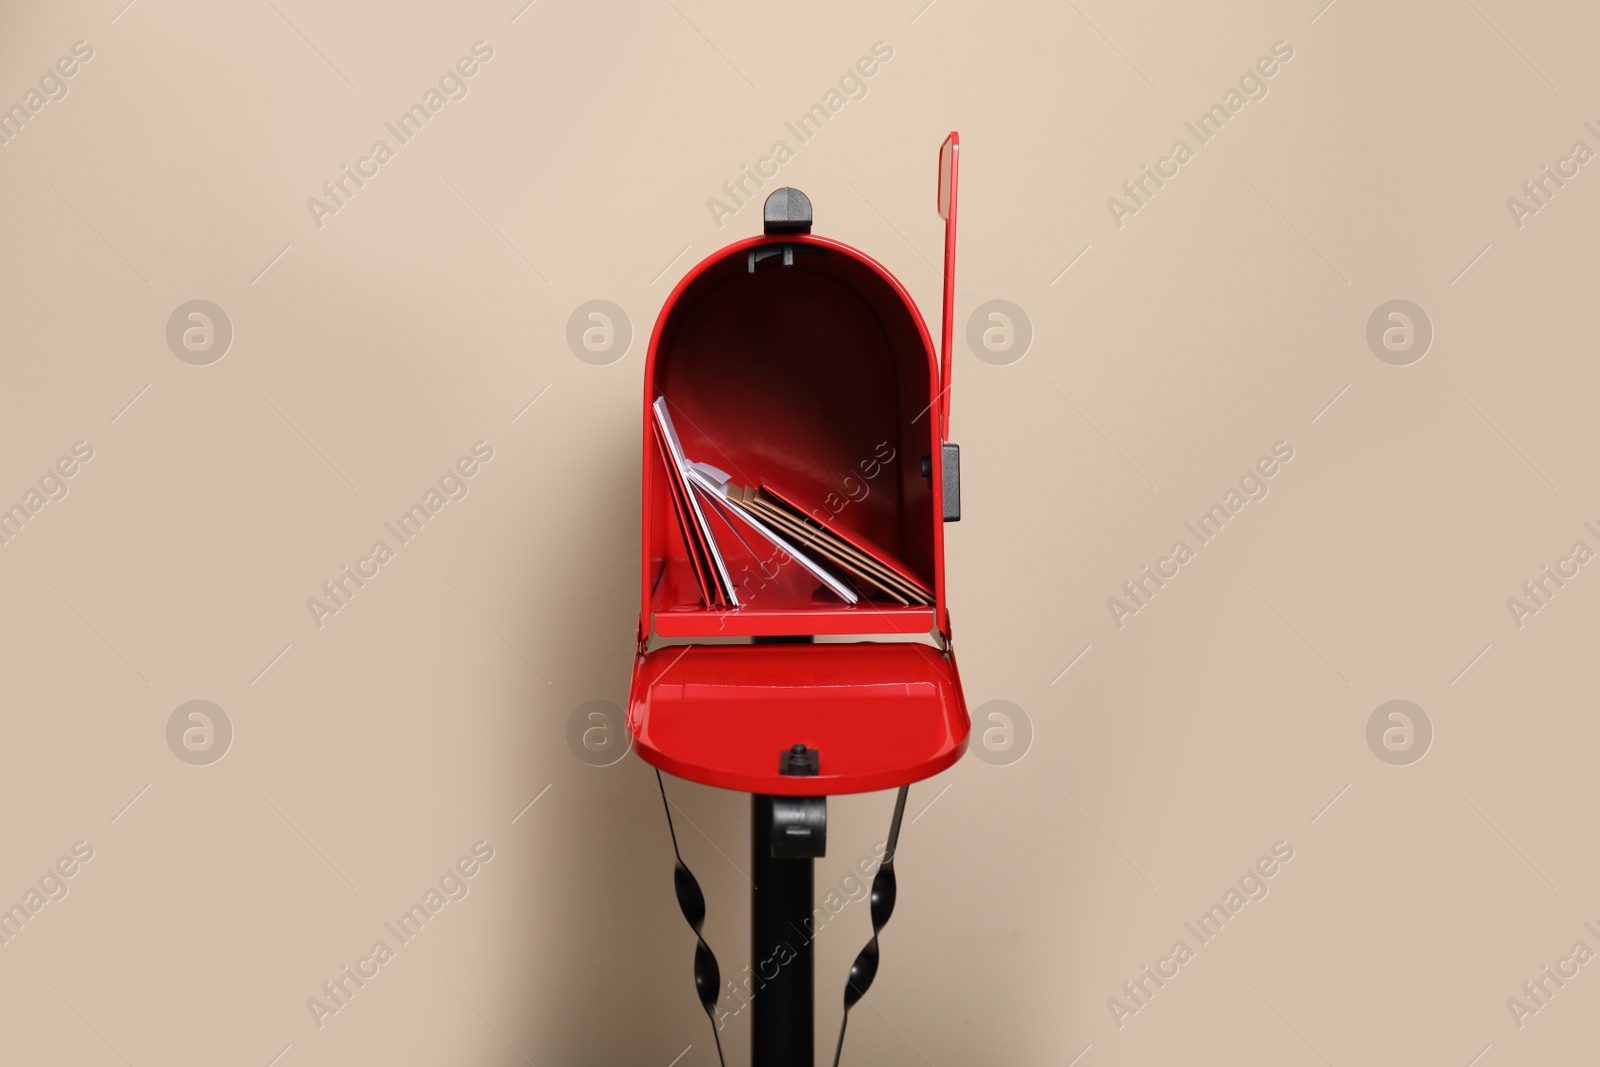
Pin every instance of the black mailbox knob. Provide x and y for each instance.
(799, 760)
(787, 211)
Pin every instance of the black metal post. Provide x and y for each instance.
(780, 950)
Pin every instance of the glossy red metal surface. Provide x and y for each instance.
(806, 372)
(813, 371)
(754, 622)
(879, 715)
(949, 182)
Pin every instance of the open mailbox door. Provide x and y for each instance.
(878, 716)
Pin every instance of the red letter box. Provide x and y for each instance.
(799, 370)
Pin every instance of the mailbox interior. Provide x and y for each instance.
(813, 373)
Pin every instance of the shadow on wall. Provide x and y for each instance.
(600, 951)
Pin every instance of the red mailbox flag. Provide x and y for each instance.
(949, 174)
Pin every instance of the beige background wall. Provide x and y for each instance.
(370, 353)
